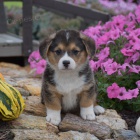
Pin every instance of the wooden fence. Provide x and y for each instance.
(63, 8)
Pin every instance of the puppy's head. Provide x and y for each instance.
(67, 49)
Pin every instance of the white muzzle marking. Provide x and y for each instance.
(71, 66)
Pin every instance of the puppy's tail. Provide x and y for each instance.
(137, 127)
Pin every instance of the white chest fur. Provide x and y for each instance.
(69, 84)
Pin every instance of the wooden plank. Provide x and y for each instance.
(6, 39)
(27, 27)
(12, 46)
(10, 51)
(65, 8)
(3, 24)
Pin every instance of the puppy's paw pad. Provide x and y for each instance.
(99, 110)
(53, 119)
(86, 116)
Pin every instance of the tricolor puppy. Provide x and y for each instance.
(68, 81)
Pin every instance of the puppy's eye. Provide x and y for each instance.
(58, 52)
(75, 52)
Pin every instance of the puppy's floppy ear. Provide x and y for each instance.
(89, 45)
(44, 46)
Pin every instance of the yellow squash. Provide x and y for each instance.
(1, 77)
(11, 101)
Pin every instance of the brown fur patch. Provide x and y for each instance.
(55, 103)
(52, 59)
(85, 99)
(72, 46)
(60, 46)
(81, 57)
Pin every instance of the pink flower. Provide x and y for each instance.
(110, 67)
(114, 34)
(94, 65)
(103, 39)
(135, 69)
(128, 60)
(127, 52)
(118, 22)
(137, 11)
(138, 84)
(133, 39)
(36, 62)
(124, 66)
(34, 56)
(104, 53)
(132, 93)
(122, 94)
(135, 57)
(136, 46)
(40, 67)
(113, 91)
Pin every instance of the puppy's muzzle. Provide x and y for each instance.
(66, 63)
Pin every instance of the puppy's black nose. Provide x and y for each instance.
(66, 63)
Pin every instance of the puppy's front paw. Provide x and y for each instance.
(53, 116)
(53, 119)
(87, 113)
(99, 110)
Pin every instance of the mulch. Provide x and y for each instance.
(130, 118)
(5, 133)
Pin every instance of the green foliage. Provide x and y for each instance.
(44, 22)
(13, 4)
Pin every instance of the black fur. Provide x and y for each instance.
(48, 78)
(87, 72)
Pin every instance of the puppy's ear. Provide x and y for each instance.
(89, 45)
(44, 46)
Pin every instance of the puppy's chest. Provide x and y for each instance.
(69, 85)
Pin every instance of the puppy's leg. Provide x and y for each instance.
(98, 109)
(53, 107)
(86, 107)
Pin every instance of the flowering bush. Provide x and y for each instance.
(113, 7)
(118, 6)
(37, 63)
(116, 63)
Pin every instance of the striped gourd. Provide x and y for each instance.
(11, 102)
(1, 77)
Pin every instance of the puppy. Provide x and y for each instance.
(68, 81)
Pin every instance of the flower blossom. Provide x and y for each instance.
(138, 84)
(122, 94)
(104, 53)
(127, 52)
(132, 94)
(113, 91)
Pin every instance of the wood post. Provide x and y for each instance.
(27, 28)
(3, 23)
